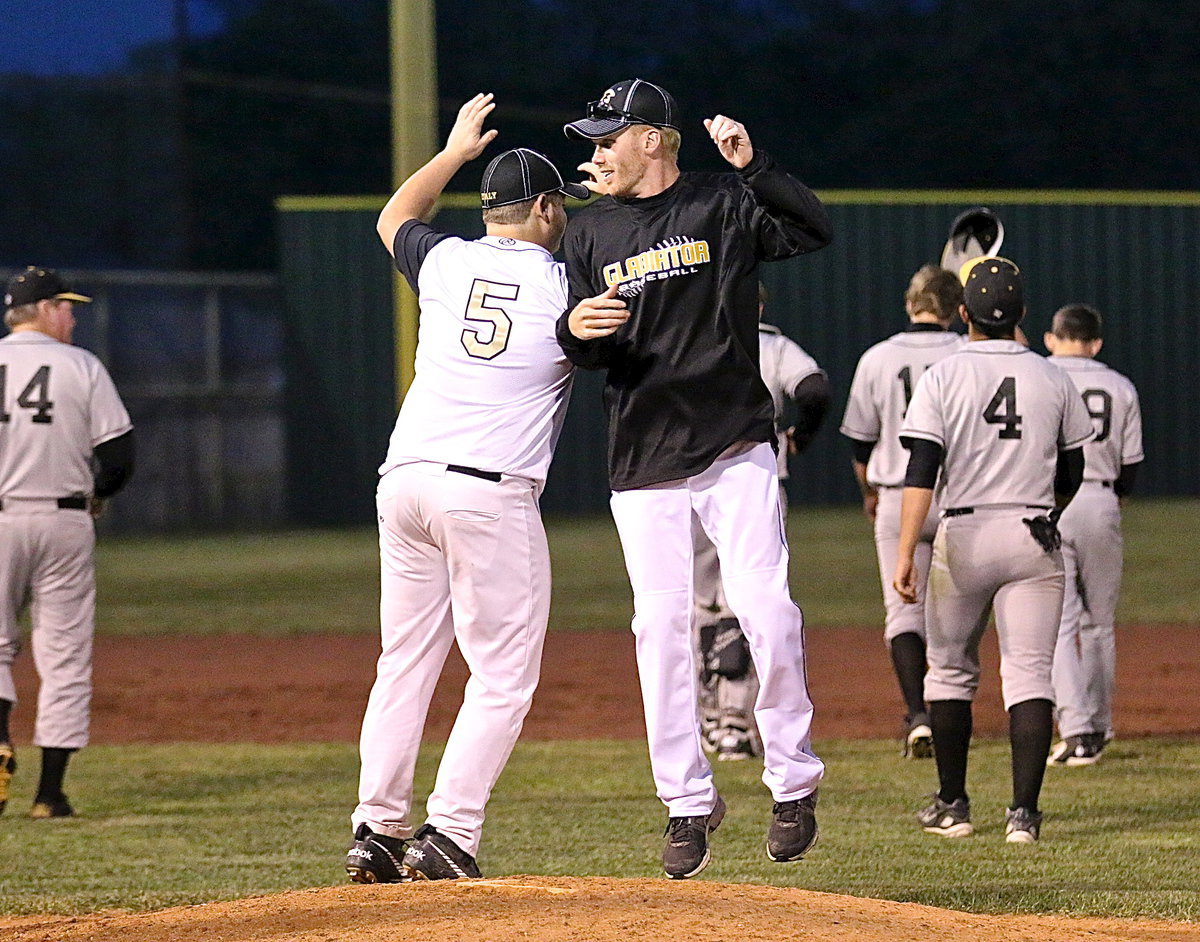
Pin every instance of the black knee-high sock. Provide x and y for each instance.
(1030, 729)
(950, 721)
(908, 660)
(5, 709)
(54, 768)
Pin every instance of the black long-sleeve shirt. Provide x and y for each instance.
(683, 378)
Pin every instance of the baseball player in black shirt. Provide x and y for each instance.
(663, 282)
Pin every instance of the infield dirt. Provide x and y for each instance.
(312, 688)
(520, 908)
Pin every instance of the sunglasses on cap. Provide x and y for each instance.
(598, 109)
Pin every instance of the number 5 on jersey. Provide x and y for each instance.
(1002, 410)
(487, 343)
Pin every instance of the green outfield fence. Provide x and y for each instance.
(1133, 255)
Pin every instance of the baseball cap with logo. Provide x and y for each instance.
(630, 101)
(992, 291)
(521, 174)
(37, 284)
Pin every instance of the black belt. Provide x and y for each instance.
(963, 511)
(474, 472)
(74, 503)
(1107, 484)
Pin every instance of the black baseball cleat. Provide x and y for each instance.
(376, 858)
(947, 818)
(8, 765)
(686, 852)
(53, 807)
(433, 856)
(1022, 826)
(793, 831)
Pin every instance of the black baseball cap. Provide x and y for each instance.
(37, 284)
(630, 101)
(992, 291)
(521, 174)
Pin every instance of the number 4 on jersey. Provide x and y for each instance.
(1002, 410)
(35, 396)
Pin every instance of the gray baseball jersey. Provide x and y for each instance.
(57, 403)
(1085, 658)
(1112, 402)
(880, 392)
(1002, 414)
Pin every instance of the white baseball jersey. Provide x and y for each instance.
(1112, 402)
(783, 364)
(880, 392)
(997, 452)
(57, 403)
(492, 384)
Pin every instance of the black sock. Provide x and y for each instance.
(5, 709)
(1030, 729)
(908, 660)
(54, 768)
(950, 721)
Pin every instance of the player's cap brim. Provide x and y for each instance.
(964, 270)
(72, 296)
(592, 129)
(576, 191)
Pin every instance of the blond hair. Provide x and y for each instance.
(21, 314)
(671, 139)
(934, 290)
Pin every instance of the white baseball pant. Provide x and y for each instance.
(737, 501)
(990, 557)
(48, 562)
(1085, 660)
(730, 699)
(900, 616)
(462, 559)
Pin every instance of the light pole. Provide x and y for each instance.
(414, 141)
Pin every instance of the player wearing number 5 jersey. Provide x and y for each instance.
(66, 444)
(1085, 660)
(1006, 428)
(462, 550)
(879, 395)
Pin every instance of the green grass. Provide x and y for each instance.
(170, 825)
(297, 582)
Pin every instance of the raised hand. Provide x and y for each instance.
(467, 138)
(731, 139)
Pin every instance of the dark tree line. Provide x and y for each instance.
(178, 161)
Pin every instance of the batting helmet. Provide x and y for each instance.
(973, 233)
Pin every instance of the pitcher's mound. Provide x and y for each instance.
(523, 908)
